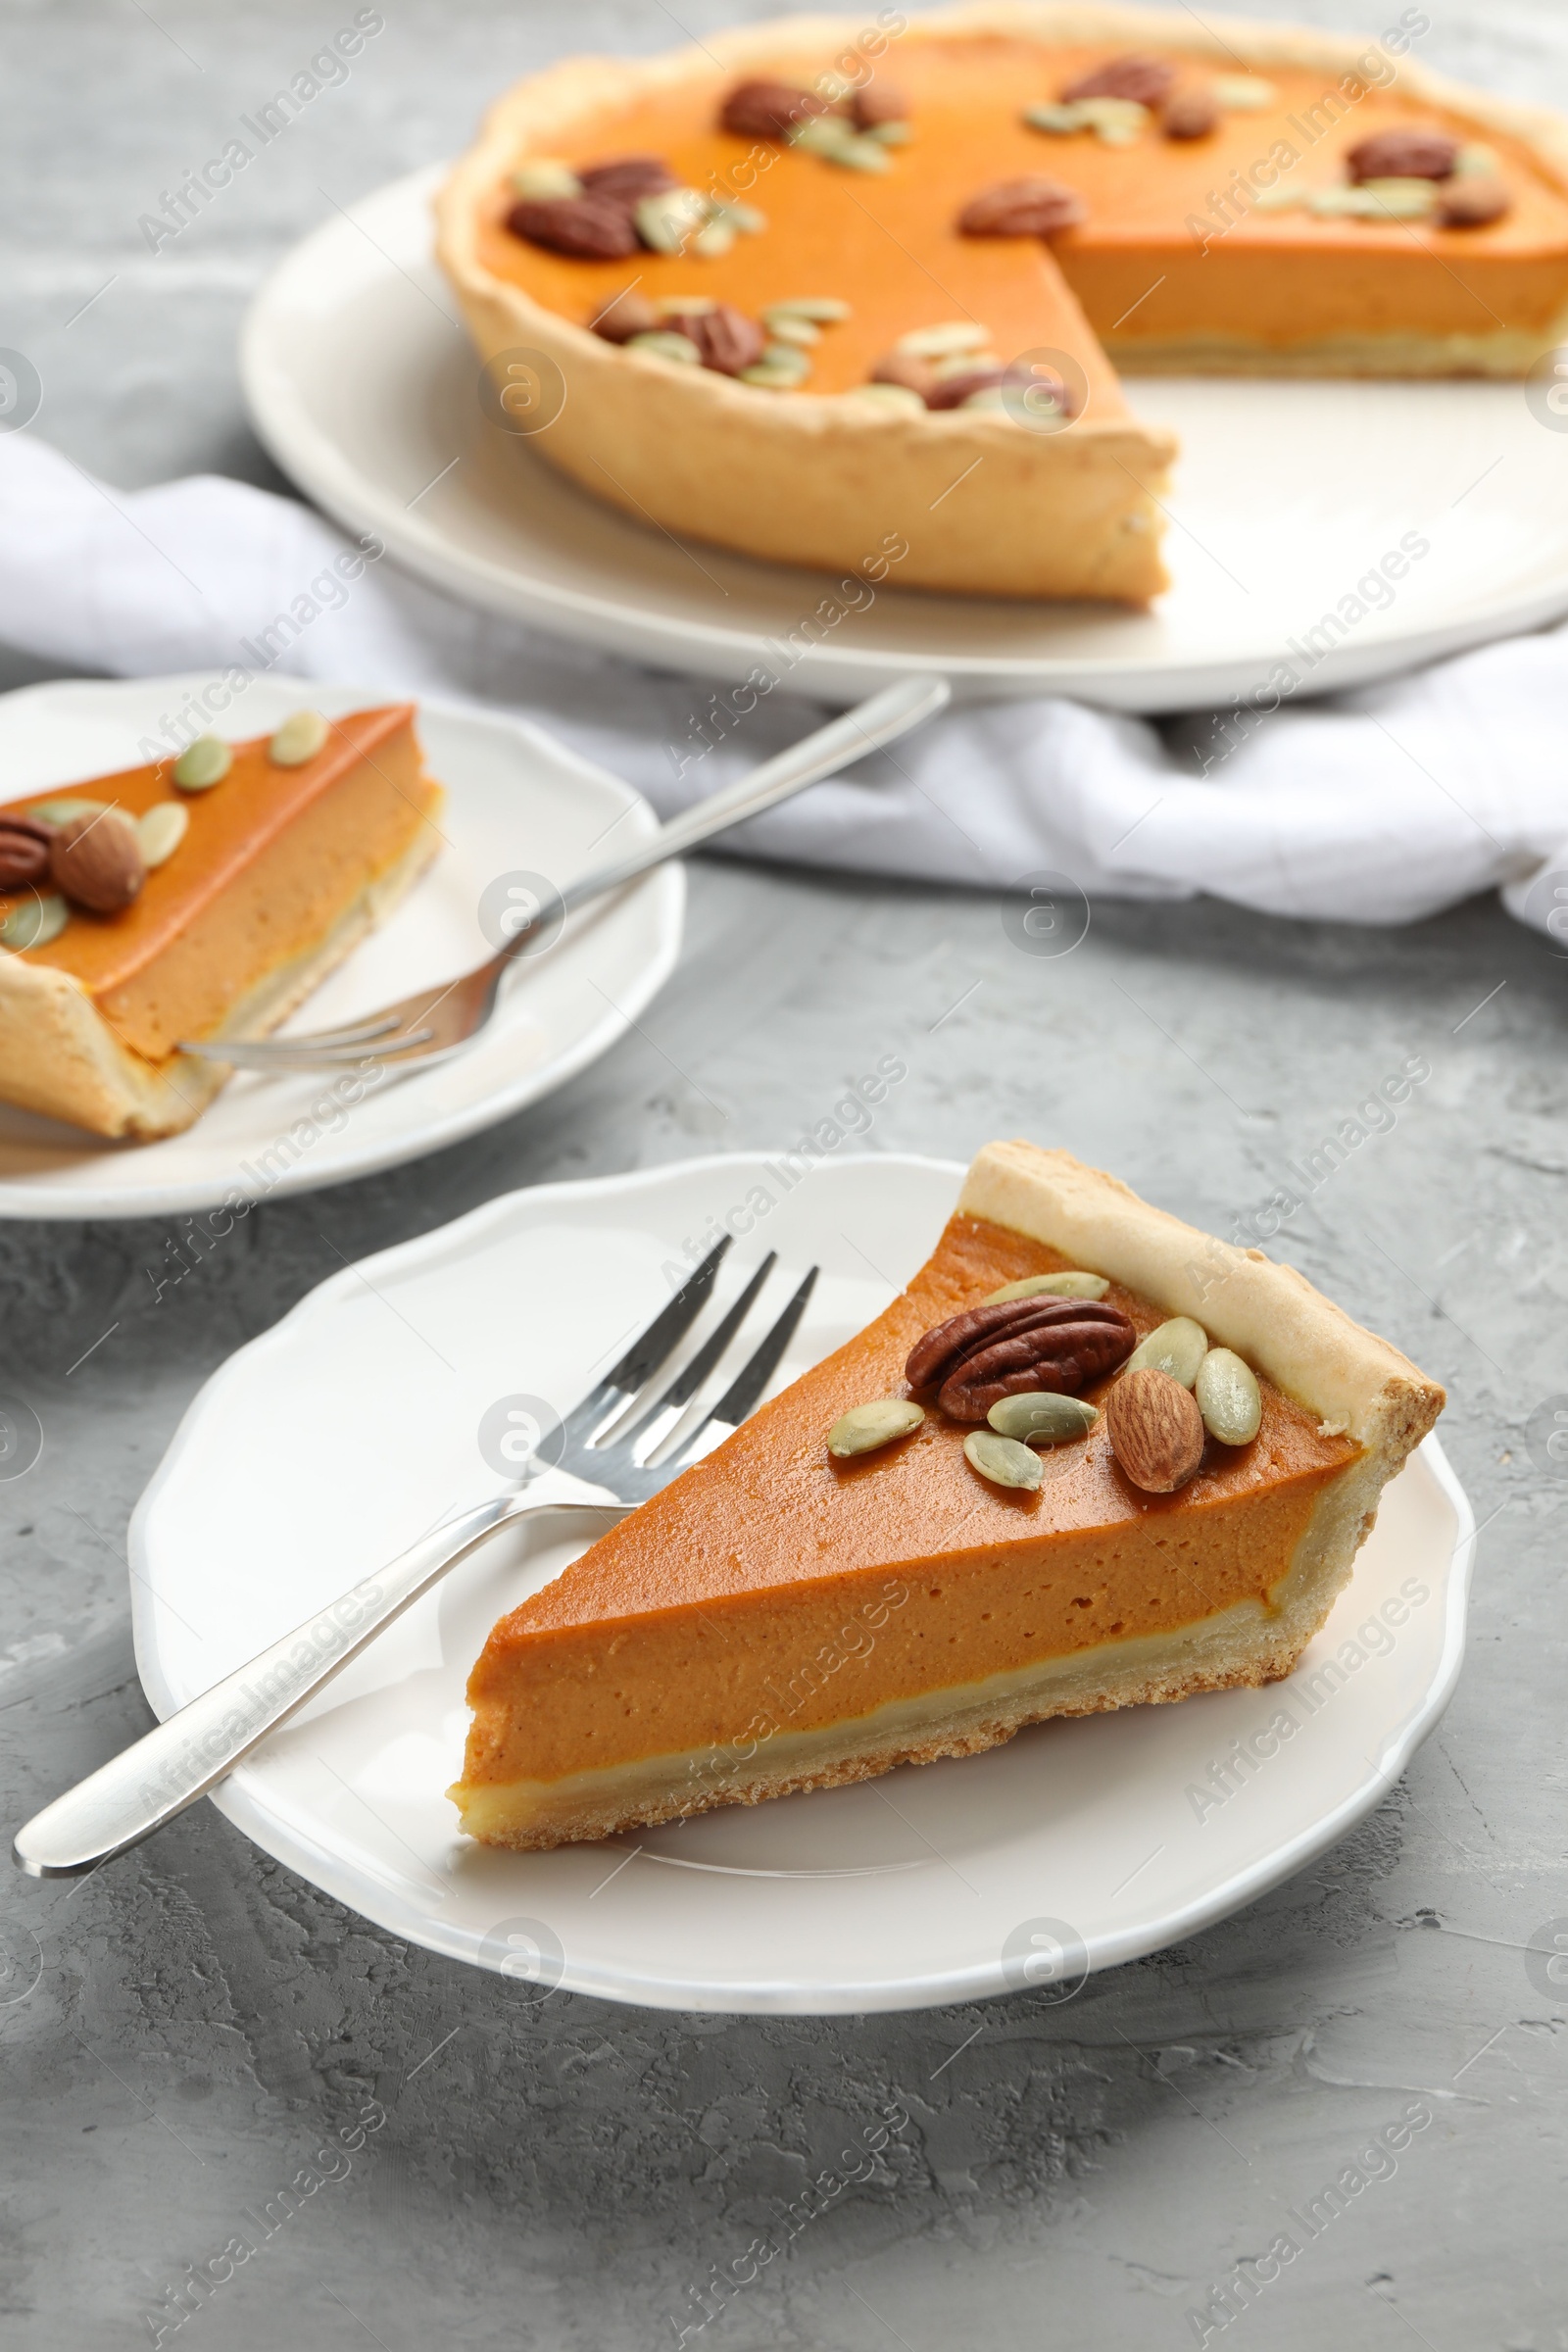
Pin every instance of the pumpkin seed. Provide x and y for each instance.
(1403, 199)
(940, 342)
(769, 378)
(1243, 93)
(665, 344)
(714, 237)
(299, 739)
(668, 221)
(890, 396)
(1116, 122)
(543, 177)
(1041, 1419)
(202, 763)
(1475, 163)
(1002, 1460)
(963, 362)
(744, 218)
(788, 356)
(1178, 1347)
(988, 396)
(824, 310)
(1060, 120)
(61, 813)
(161, 831)
(835, 140)
(788, 327)
(685, 305)
(892, 134)
(1332, 202)
(1228, 1397)
(34, 924)
(865, 1427)
(1050, 1285)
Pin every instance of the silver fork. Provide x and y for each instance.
(439, 1022)
(602, 1465)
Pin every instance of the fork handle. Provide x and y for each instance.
(880, 719)
(125, 1799)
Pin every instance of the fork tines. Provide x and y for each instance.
(602, 1443)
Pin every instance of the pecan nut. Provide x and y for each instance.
(726, 338)
(23, 852)
(1017, 1346)
(589, 228)
(1472, 204)
(1035, 207)
(1147, 80)
(627, 176)
(1189, 114)
(97, 860)
(1403, 155)
(768, 109)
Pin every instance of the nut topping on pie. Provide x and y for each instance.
(23, 852)
(629, 177)
(626, 313)
(97, 861)
(1189, 114)
(589, 228)
(768, 109)
(725, 338)
(1403, 155)
(878, 102)
(1019, 1345)
(1022, 208)
(1145, 79)
(1472, 204)
(1155, 1430)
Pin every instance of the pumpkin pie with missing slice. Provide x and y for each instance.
(196, 898)
(827, 290)
(870, 1571)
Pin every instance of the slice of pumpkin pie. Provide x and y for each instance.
(1089, 1458)
(193, 899)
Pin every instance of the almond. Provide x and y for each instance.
(1191, 114)
(1155, 1430)
(97, 861)
(1472, 204)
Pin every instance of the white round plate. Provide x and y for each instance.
(515, 801)
(363, 384)
(329, 1443)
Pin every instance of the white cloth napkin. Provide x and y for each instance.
(1376, 807)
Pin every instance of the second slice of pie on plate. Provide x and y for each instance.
(787, 1614)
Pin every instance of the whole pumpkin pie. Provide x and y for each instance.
(856, 294)
(872, 1572)
(195, 898)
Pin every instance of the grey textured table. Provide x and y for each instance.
(183, 2031)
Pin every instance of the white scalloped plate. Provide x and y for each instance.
(328, 1443)
(516, 801)
(363, 384)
